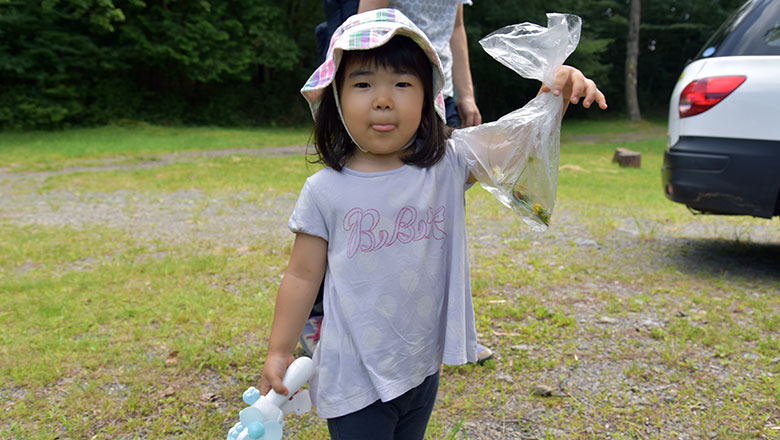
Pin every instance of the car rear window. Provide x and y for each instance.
(754, 29)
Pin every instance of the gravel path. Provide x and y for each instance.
(169, 216)
(227, 221)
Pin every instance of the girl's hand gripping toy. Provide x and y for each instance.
(264, 418)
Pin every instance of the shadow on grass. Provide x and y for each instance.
(754, 261)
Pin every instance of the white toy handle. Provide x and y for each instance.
(294, 378)
(264, 417)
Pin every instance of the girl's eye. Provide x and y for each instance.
(403, 84)
(362, 85)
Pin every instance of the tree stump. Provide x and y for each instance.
(627, 158)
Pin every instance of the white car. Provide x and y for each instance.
(724, 119)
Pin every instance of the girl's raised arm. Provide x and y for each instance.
(297, 293)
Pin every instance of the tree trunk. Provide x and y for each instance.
(627, 158)
(632, 59)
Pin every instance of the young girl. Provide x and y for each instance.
(385, 223)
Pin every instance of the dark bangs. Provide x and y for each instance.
(334, 146)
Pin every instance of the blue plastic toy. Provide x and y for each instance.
(264, 417)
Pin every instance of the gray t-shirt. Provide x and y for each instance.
(397, 288)
(436, 18)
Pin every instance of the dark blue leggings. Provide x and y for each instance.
(403, 418)
(451, 111)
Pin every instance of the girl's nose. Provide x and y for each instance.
(383, 101)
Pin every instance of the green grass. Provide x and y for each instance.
(255, 175)
(105, 332)
(590, 182)
(77, 332)
(608, 127)
(52, 150)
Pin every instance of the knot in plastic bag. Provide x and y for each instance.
(534, 51)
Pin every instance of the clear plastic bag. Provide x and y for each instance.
(516, 157)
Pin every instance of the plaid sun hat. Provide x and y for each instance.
(366, 31)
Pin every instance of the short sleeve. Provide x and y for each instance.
(460, 163)
(307, 216)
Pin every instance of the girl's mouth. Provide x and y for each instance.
(383, 127)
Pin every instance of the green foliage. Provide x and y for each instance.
(242, 62)
(672, 33)
(83, 62)
(208, 41)
(499, 89)
(47, 58)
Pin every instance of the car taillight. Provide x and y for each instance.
(702, 94)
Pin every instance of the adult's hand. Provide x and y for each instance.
(469, 112)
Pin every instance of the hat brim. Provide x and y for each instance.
(366, 31)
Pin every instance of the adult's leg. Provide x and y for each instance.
(337, 11)
(323, 40)
(451, 112)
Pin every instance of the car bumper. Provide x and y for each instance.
(724, 176)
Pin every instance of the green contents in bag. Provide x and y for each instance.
(525, 200)
(524, 197)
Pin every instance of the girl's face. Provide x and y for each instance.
(382, 107)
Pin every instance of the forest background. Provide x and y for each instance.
(241, 62)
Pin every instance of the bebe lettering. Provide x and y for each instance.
(408, 227)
